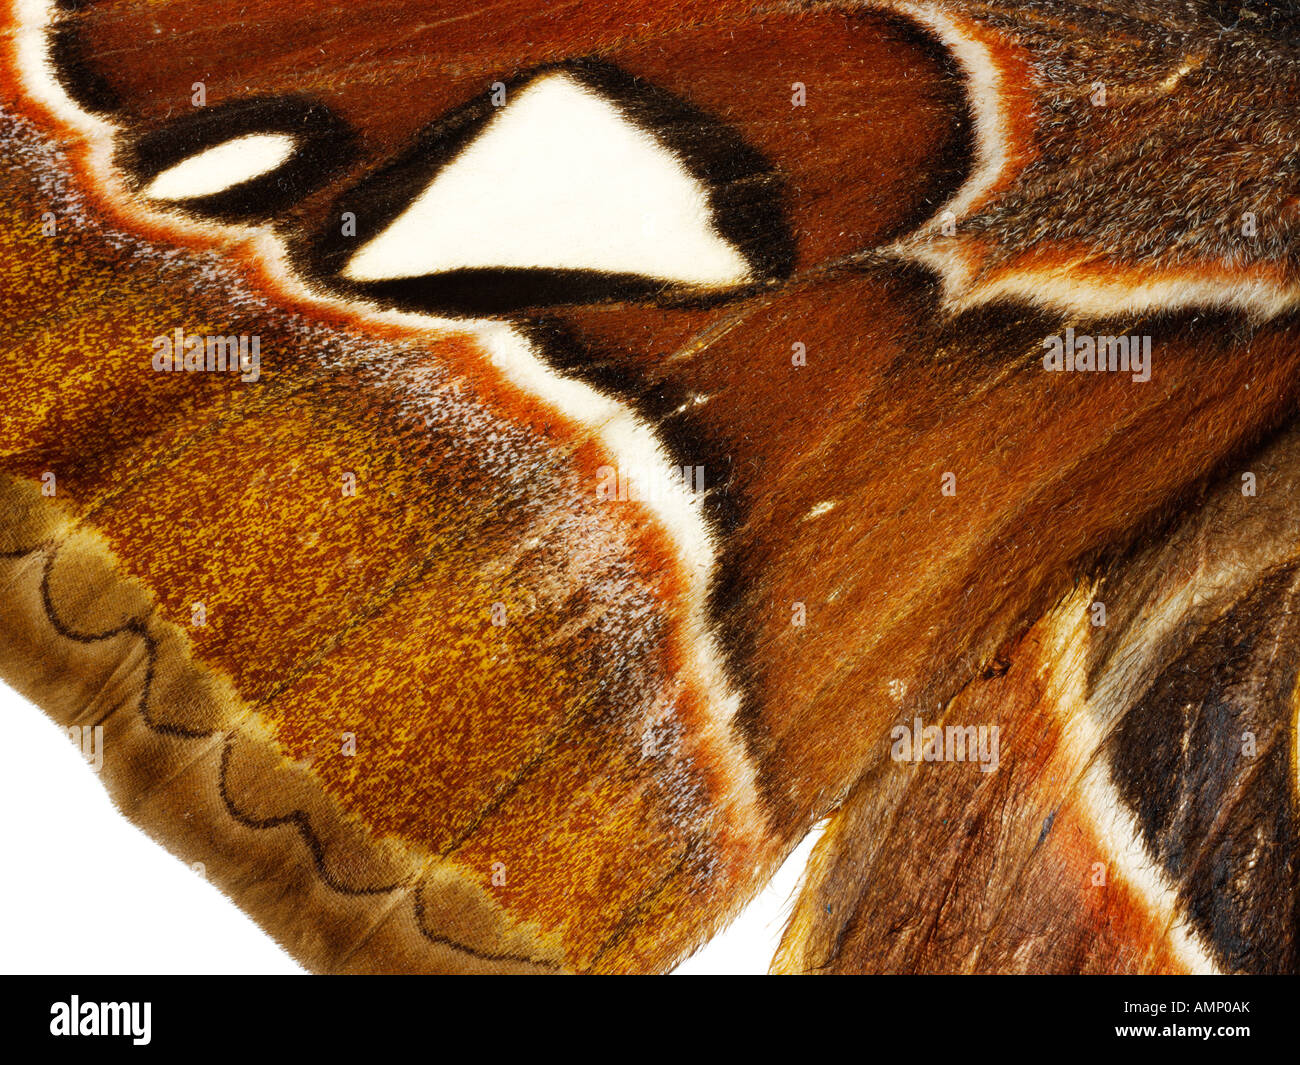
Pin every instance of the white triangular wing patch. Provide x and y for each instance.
(558, 179)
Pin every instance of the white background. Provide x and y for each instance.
(83, 891)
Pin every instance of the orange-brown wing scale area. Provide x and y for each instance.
(380, 548)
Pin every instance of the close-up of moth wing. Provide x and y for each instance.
(490, 480)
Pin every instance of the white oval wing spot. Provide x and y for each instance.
(222, 167)
(559, 179)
